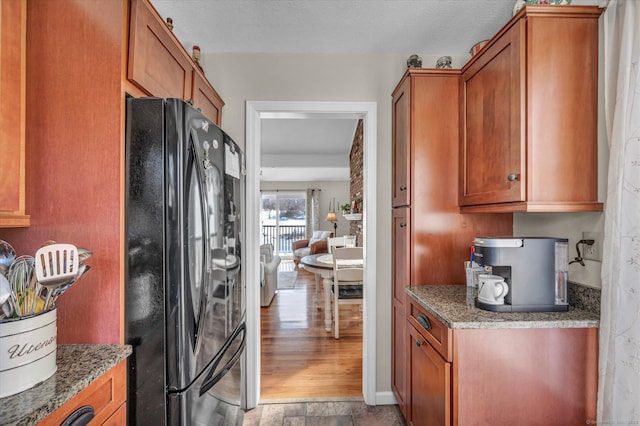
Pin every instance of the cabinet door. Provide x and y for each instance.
(492, 149)
(430, 387)
(157, 62)
(399, 357)
(401, 192)
(206, 99)
(401, 252)
(13, 14)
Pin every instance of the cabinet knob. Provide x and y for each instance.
(512, 177)
(403, 188)
(403, 225)
(419, 343)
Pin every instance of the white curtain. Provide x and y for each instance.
(619, 370)
(313, 211)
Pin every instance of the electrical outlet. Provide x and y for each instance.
(593, 251)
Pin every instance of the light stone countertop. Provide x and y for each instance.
(78, 366)
(454, 306)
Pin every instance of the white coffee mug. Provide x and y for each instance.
(492, 289)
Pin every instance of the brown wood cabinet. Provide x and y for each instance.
(430, 377)
(106, 395)
(528, 103)
(400, 268)
(157, 63)
(431, 238)
(401, 189)
(430, 366)
(399, 357)
(160, 66)
(205, 98)
(499, 375)
(13, 20)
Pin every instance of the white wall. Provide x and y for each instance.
(328, 191)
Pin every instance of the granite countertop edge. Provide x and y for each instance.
(453, 306)
(78, 365)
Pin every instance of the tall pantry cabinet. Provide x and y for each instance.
(431, 238)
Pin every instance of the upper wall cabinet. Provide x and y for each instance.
(206, 98)
(401, 195)
(529, 100)
(159, 65)
(13, 16)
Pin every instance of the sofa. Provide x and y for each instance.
(268, 274)
(316, 244)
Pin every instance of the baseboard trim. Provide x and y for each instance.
(385, 398)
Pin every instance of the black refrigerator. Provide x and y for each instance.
(184, 286)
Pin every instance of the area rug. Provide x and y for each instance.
(287, 279)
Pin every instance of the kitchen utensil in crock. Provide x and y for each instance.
(54, 293)
(24, 287)
(56, 264)
(7, 256)
(5, 289)
(6, 309)
(84, 254)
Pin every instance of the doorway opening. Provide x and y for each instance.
(255, 112)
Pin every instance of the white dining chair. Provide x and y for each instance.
(348, 281)
(333, 242)
(221, 294)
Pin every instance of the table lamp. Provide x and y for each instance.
(331, 217)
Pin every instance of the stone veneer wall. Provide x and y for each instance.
(356, 167)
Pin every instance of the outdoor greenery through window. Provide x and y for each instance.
(282, 220)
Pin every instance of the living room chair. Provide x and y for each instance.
(316, 244)
(348, 281)
(268, 274)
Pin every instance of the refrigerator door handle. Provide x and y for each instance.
(204, 289)
(210, 381)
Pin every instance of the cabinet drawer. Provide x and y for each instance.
(105, 395)
(434, 331)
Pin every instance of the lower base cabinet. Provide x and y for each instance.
(430, 383)
(105, 397)
(499, 376)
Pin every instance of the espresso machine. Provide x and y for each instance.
(534, 269)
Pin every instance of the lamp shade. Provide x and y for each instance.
(331, 217)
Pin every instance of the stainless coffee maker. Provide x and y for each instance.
(534, 269)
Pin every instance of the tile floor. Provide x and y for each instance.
(323, 413)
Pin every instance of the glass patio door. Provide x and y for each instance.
(282, 220)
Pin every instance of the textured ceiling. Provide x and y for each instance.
(426, 27)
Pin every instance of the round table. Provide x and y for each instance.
(321, 265)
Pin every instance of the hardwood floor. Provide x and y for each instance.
(299, 358)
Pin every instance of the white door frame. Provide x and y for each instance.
(255, 111)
